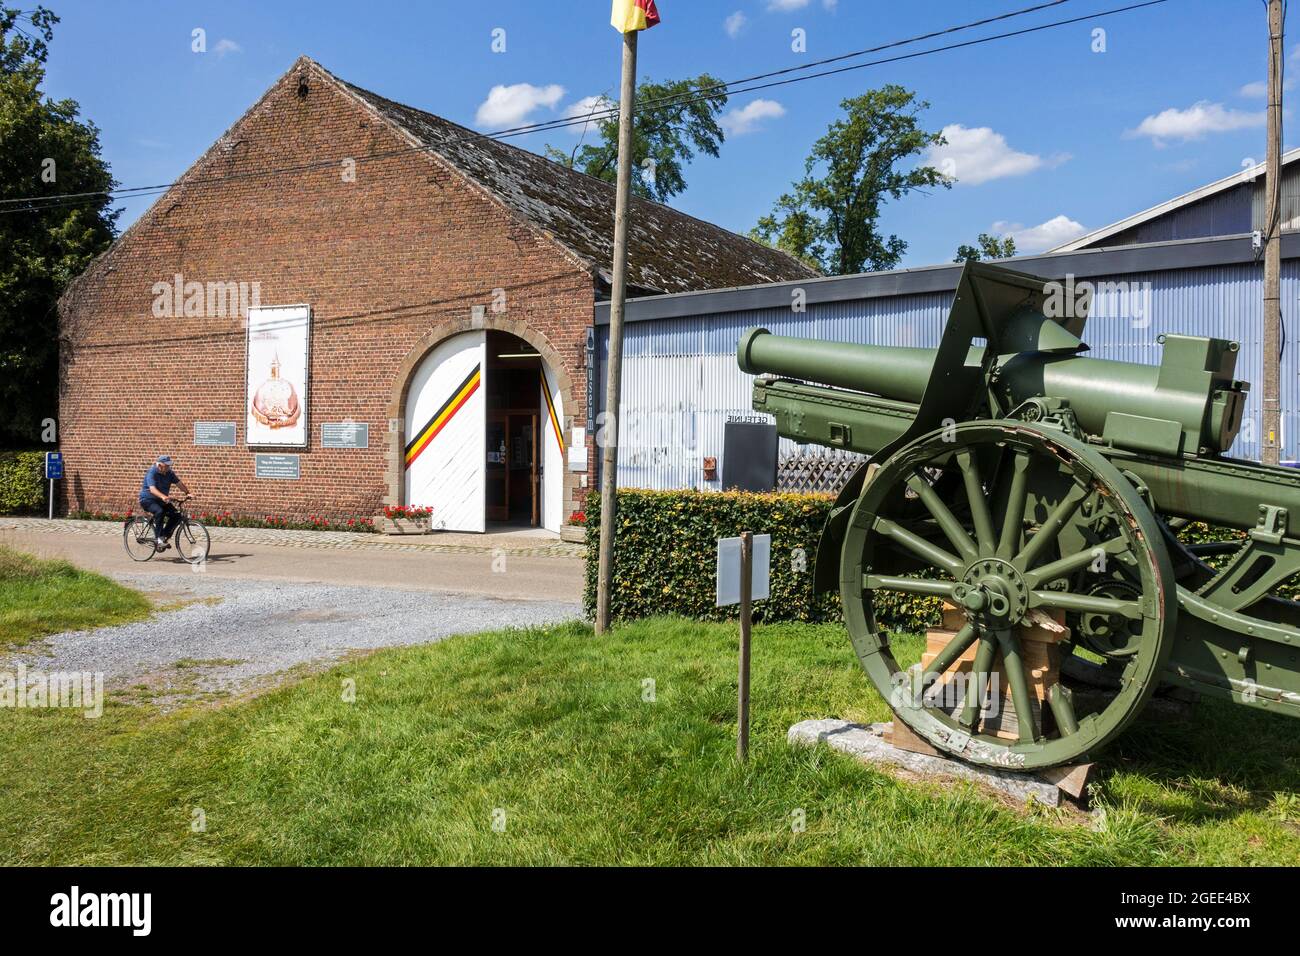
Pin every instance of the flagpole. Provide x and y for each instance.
(614, 364)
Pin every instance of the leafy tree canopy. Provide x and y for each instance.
(830, 217)
(46, 151)
(989, 247)
(671, 124)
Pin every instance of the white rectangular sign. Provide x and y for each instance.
(278, 348)
(728, 589)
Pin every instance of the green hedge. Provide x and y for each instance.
(666, 548)
(666, 552)
(22, 485)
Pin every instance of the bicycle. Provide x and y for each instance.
(191, 538)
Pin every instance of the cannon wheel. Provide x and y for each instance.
(1033, 522)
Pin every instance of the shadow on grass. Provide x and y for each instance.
(1221, 761)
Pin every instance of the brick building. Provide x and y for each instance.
(346, 303)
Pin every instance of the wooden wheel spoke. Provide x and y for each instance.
(1013, 521)
(954, 649)
(1051, 528)
(931, 553)
(1016, 677)
(979, 677)
(924, 586)
(979, 505)
(1062, 704)
(1086, 603)
(1076, 562)
(943, 515)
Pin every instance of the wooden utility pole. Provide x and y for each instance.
(614, 365)
(1271, 401)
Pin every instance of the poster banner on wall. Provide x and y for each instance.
(278, 344)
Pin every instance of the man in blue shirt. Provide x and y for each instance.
(155, 498)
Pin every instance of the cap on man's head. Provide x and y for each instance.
(164, 459)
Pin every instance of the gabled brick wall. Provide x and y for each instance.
(386, 261)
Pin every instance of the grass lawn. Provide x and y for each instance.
(39, 598)
(548, 732)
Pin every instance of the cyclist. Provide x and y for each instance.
(155, 498)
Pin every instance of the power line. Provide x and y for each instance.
(651, 105)
(39, 203)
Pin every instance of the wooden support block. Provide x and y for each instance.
(1071, 779)
(1044, 628)
(1039, 651)
(900, 735)
(952, 618)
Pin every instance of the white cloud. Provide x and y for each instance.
(225, 46)
(1259, 89)
(1194, 122)
(509, 105)
(1040, 238)
(746, 119)
(585, 107)
(975, 155)
(735, 23)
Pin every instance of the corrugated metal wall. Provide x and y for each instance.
(1290, 199)
(1222, 214)
(681, 383)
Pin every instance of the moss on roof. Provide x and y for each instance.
(668, 251)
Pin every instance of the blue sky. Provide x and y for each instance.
(1047, 135)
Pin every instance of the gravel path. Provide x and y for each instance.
(237, 634)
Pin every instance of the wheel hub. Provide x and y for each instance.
(992, 593)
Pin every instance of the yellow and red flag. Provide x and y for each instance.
(632, 15)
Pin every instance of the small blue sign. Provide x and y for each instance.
(54, 465)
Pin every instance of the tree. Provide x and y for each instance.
(45, 151)
(990, 247)
(665, 137)
(830, 216)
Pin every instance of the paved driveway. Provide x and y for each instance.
(268, 601)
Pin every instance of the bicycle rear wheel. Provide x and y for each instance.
(139, 538)
(192, 541)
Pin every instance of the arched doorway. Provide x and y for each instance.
(483, 434)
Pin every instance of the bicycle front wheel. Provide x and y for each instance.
(139, 538)
(192, 541)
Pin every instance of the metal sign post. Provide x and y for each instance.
(744, 576)
(53, 472)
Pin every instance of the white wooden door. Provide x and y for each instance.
(445, 453)
(552, 452)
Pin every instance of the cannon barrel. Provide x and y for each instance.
(1188, 403)
(891, 371)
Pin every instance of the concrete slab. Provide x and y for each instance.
(867, 743)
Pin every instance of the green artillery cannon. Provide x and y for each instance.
(1028, 485)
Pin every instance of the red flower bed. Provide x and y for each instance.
(406, 511)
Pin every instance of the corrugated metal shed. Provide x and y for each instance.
(681, 382)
